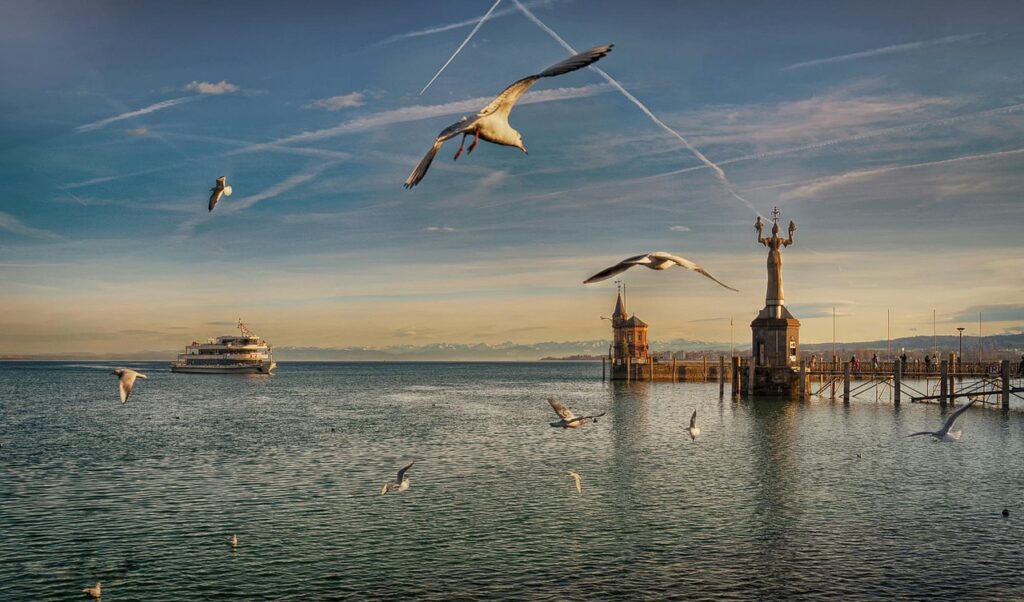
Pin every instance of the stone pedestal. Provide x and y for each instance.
(776, 352)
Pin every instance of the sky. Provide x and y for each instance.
(892, 133)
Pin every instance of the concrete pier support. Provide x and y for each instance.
(1006, 384)
(846, 382)
(943, 382)
(897, 376)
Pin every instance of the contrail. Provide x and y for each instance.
(462, 45)
(719, 173)
(884, 50)
(151, 108)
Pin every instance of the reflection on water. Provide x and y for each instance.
(775, 500)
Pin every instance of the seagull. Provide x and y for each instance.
(944, 434)
(658, 260)
(579, 480)
(491, 123)
(233, 540)
(127, 381)
(694, 430)
(400, 483)
(94, 592)
(221, 189)
(568, 419)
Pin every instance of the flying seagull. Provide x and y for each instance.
(400, 483)
(579, 480)
(93, 592)
(694, 430)
(568, 419)
(127, 381)
(221, 189)
(658, 260)
(491, 123)
(944, 434)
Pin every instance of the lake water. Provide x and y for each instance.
(776, 500)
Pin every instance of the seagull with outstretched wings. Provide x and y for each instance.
(658, 260)
(400, 483)
(491, 123)
(220, 189)
(126, 379)
(569, 420)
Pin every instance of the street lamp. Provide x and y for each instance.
(960, 357)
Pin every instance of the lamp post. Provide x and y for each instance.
(960, 356)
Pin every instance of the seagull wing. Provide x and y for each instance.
(504, 102)
(401, 473)
(127, 381)
(579, 480)
(921, 433)
(563, 412)
(607, 273)
(952, 418)
(215, 197)
(448, 133)
(693, 420)
(686, 263)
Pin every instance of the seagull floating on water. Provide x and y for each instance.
(578, 479)
(491, 123)
(658, 260)
(944, 434)
(694, 430)
(219, 190)
(233, 540)
(568, 419)
(94, 592)
(127, 381)
(400, 483)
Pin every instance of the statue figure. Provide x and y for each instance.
(774, 295)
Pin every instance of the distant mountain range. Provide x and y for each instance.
(1007, 343)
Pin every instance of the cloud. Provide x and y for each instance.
(12, 224)
(679, 228)
(817, 187)
(990, 313)
(420, 112)
(439, 229)
(221, 87)
(884, 50)
(139, 131)
(337, 103)
(143, 111)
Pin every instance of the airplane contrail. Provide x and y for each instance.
(461, 46)
(719, 173)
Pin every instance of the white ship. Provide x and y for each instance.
(229, 354)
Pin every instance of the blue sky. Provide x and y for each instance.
(890, 132)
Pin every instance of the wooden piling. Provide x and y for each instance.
(675, 370)
(1006, 384)
(846, 382)
(629, 372)
(721, 375)
(650, 365)
(750, 378)
(897, 374)
(602, 368)
(704, 370)
(953, 369)
(944, 382)
(735, 375)
(803, 379)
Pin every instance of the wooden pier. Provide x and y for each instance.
(889, 380)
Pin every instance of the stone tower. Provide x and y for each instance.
(629, 335)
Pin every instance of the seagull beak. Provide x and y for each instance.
(523, 148)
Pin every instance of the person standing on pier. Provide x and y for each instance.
(874, 362)
(1020, 369)
(927, 363)
(903, 361)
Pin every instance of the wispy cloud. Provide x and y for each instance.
(12, 224)
(419, 112)
(439, 229)
(221, 87)
(337, 103)
(817, 187)
(718, 171)
(140, 131)
(884, 50)
(462, 45)
(679, 228)
(164, 104)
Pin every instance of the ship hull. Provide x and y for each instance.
(246, 369)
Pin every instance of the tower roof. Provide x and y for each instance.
(635, 322)
(620, 309)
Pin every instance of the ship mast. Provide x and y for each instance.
(245, 329)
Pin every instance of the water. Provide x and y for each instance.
(775, 500)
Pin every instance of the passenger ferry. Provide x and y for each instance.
(229, 354)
